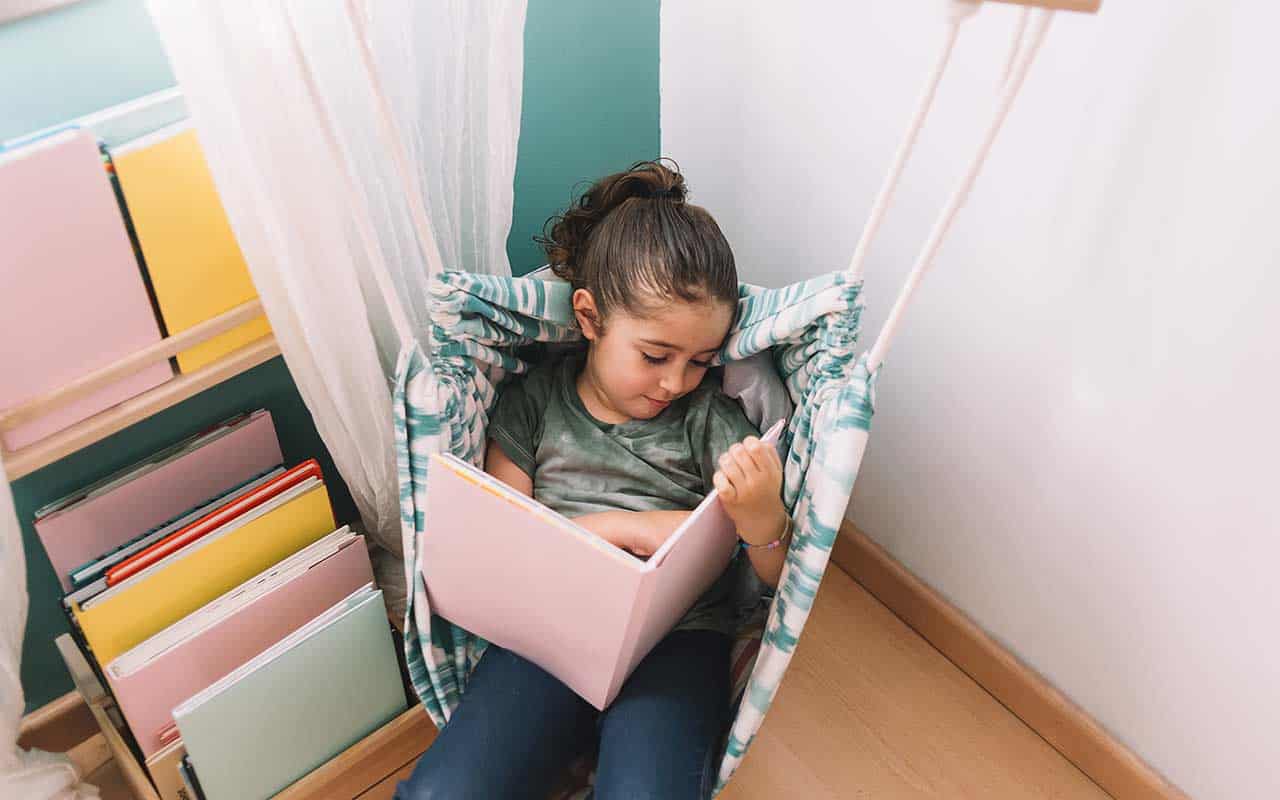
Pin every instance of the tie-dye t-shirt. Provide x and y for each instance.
(580, 465)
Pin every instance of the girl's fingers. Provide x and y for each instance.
(752, 455)
(724, 487)
(760, 461)
(775, 461)
(732, 469)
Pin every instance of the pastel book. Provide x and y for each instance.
(147, 602)
(197, 270)
(208, 644)
(298, 704)
(91, 522)
(91, 579)
(579, 607)
(73, 295)
(224, 514)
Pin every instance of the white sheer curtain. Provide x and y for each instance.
(359, 147)
(30, 773)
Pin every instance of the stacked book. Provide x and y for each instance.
(115, 237)
(236, 625)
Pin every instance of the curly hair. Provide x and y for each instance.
(634, 242)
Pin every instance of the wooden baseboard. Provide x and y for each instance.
(1018, 687)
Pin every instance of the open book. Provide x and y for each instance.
(516, 573)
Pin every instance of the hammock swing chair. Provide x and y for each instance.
(801, 337)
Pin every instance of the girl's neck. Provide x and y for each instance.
(593, 397)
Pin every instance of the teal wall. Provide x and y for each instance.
(80, 58)
(590, 107)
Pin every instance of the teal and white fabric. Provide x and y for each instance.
(480, 326)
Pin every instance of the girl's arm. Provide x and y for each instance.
(750, 484)
(641, 532)
(504, 469)
(767, 562)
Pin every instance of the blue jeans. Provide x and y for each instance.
(518, 728)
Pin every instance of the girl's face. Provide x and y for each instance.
(637, 365)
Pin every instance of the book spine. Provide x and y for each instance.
(637, 618)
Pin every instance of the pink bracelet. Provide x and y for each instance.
(786, 534)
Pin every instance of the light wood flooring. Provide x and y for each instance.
(868, 709)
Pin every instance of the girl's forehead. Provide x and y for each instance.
(688, 327)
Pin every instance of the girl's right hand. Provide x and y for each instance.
(608, 525)
(650, 529)
(640, 532)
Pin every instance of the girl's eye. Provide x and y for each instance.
(662, 360)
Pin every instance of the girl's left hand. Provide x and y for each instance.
(750, 482)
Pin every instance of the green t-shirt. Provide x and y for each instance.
(580, 465)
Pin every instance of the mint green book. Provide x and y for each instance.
(295, 706)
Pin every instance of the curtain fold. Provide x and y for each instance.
(358, 147)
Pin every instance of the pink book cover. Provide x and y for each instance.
(72, 299)
(150, 494)
(295, 594)
(518, 574)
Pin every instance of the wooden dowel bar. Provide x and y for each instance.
(162, 350)
(120, 416)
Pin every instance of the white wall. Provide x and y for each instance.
(1076, 438)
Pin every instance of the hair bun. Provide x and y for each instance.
(675, 193)
(566, 235)
(657, 184)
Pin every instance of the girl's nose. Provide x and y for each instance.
(672, 382)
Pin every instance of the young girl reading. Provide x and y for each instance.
(626, 436)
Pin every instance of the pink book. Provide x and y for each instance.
(149, 680)
(140, 497)
(73, 300)
(516, 573)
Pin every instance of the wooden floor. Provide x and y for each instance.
(868, 709)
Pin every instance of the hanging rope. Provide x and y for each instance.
(1024, 58)
(1019, 33)
(957, 12)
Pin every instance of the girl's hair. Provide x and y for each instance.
(633, 242)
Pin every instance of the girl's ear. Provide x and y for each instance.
(584, 308)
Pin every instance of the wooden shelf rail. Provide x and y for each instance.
(26, 460)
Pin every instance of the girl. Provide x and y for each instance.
(626, 436)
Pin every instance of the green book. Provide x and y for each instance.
(297, 705)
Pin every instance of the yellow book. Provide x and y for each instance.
(164, 593)
(193, 259)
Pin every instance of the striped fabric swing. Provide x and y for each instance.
(480, 324)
